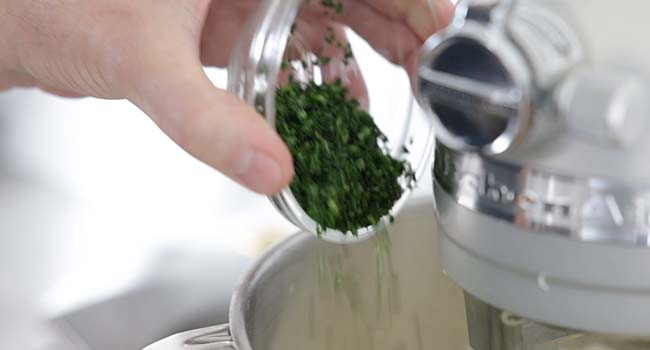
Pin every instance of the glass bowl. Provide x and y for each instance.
(256, 70)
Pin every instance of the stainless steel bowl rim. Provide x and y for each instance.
(238, 304)
(235, 334)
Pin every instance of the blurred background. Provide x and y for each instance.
(111, 236)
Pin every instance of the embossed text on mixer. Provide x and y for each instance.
(545, 202)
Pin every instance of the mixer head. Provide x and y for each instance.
(541, 177)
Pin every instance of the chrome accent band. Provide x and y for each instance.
(584, 209)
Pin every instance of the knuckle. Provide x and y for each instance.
(197, 134)
(116, 41)
(181, 129)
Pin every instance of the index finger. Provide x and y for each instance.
(394, 28)
(424, 17)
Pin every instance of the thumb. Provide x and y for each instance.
(212, 125)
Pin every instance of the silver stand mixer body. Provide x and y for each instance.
(541, 178)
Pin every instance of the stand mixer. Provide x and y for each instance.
(541, 176)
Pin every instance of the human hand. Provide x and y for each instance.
(152, 52)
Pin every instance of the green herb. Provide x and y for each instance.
(329, 36)
(345, 179)
(337, 6)
(347, 54)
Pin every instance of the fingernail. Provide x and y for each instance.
(259, 172)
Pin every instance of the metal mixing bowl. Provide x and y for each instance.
(385, 293)
(388, 293)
